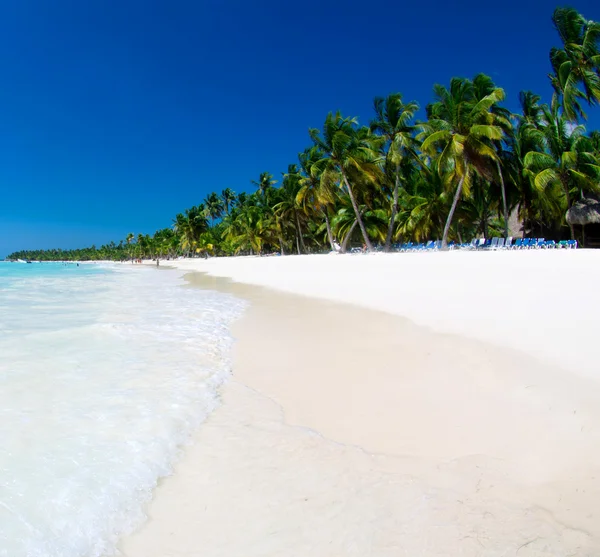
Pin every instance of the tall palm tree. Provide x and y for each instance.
(524, 138)
(287, 207)
(393, 121)
(129, 238)
(315, 196)
(501, 117)
(568, 162)
(214, 206)
(228, 197)
(576, 66)
(459, 131)
(348, 152)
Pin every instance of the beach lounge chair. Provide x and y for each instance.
(500, 244)
(572, 244)
(471, 245)
(508, 243)
(518, 243)
(493, 243)
(538, 243)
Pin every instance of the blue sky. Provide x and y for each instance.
(115, 115)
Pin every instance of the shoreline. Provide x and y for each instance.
(347, 431)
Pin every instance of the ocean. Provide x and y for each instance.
(105, 371)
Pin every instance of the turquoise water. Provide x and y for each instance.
(104, 373)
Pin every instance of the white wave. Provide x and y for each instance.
(102, 379)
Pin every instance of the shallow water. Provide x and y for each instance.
(104, 373)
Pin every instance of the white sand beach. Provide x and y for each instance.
(450, 406)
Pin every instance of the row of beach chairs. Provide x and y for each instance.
(519, 244)
(491, 244)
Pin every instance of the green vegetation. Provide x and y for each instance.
(458, 174)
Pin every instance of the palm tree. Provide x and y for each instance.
(425, 206)
(459, 131)
(315, 196)
(576, 66)
(393, 122)
(287, 208)
(190, 226)
(348, 151)
(524, 138)
(595, 141)
(501, 117)
(568, 162)
(265, 183)
(228, 197)
(214, 206)
(249, 230)
(129, 238)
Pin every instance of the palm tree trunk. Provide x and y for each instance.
(388, 239)
(348, 236)
(451, 213)
(329, 234)
(504, 206)
(357, 213)
(299, 229)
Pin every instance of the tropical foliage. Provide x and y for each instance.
(458, 173)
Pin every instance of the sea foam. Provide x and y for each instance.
(104, 374)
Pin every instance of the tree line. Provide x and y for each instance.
(458, 174)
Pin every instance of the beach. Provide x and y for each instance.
(427, 404)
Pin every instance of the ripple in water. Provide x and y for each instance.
(103, 377)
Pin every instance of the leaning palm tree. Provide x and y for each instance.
(576, 66)
(393, 121)
(348, 151)
(459, 132)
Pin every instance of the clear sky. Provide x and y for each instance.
(116, 115)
